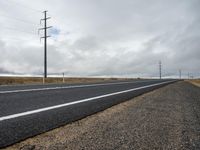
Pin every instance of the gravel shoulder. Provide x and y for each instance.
(167, 118)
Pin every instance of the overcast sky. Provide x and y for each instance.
(102, 37)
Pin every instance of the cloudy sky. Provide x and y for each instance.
(124, 38)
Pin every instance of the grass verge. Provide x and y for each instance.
(39, 80)
(195, 82)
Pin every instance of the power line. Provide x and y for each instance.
(17, 38)
(17, 30)
(24, 6)
(21, 20)
(17, 19)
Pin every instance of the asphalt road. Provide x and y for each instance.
(28, 110)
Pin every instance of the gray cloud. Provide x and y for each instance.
(106, 38)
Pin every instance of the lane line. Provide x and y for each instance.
(76, 102)
(66, 87)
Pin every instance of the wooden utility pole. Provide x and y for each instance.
(45, 40)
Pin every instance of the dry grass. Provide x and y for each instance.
(36, 80)
(195, 82)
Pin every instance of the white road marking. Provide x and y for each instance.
(76, 102)
(65, 87)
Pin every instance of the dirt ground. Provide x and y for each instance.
(167, 118)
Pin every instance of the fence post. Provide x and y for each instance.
(63, 77)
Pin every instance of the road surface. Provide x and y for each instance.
(28, 110)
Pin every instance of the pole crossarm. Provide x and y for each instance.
(45, 28)
(45, 19)
(45, 37)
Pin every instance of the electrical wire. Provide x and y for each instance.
(24, 6)
(21, 20)
(16, 39)
(17, 19)
(17, 30)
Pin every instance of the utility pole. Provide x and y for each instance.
(180, 73)
(63, 77)
(45, 39)
(160, 69)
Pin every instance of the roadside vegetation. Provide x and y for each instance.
(39, 80)
(195, 82)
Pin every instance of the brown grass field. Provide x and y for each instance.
(195, 82)
(39, 80)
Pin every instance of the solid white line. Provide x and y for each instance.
(76, 102)
(66, 87)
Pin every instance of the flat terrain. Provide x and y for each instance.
(167, 118)
(39, 80)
